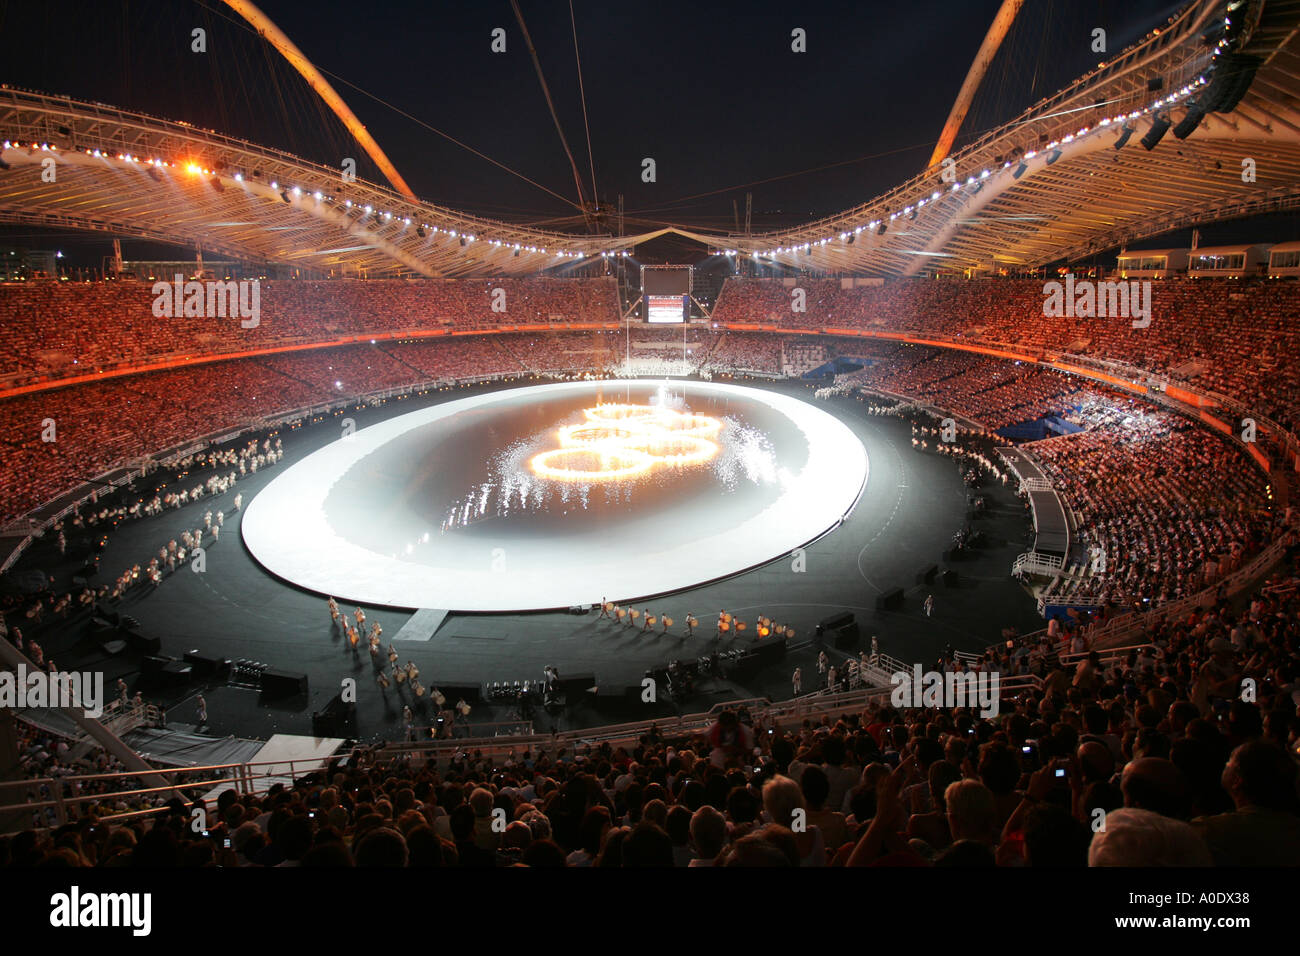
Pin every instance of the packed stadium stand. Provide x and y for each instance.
(1152, 733)
(55, 330)
(1152, 737)
(1229, 338)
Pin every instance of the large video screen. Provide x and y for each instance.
(666, 280)
(663, 309)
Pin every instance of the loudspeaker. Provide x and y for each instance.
(927, 575)
(338, 719)
(278, 684)
(576, 684)
(767, 652)
(177, 672)
(161, 672)
(1159, 126)
(891, 600)
(141, 643)
(153, 665)
(1231, 79)
(846, 637)
(950, 579)
(834, 622)
(1188, 124)
(208, 667)
(103, 618)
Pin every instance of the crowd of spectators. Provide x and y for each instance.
(156, 410)
(53, 329)
(1158, 741)
(1165, 508)
(1229, 336)
(992, 392)
(53, 440)
(45, 756)
(743, 351)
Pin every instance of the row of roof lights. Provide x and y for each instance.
(195, 169)
(977, 181)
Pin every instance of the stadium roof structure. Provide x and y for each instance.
(1048, 186)
(129, 174)
(1057, 184)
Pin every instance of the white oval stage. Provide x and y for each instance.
(553, 496)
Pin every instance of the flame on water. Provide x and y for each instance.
(617, 442)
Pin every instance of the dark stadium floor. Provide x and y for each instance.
(912, 505)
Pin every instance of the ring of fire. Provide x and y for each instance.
(350, 519)
(626, 441)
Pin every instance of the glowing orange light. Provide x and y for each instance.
(580, 464)
(620, 413)
(624, 441)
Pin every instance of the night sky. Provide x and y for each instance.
(711, 91)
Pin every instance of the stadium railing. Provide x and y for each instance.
(1107, 655)
(58, 809)
(1034, 562)
(1131, 625)
(256, 777)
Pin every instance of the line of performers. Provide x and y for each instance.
(172, 556)
(764, 627)
(728, 625)
(847, 675)
(393, 674)
(628, 617)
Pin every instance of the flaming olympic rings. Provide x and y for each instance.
(617, 442)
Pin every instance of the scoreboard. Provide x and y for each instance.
(666, 292)
(664, 309)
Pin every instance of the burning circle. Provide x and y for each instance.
(618, 442)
